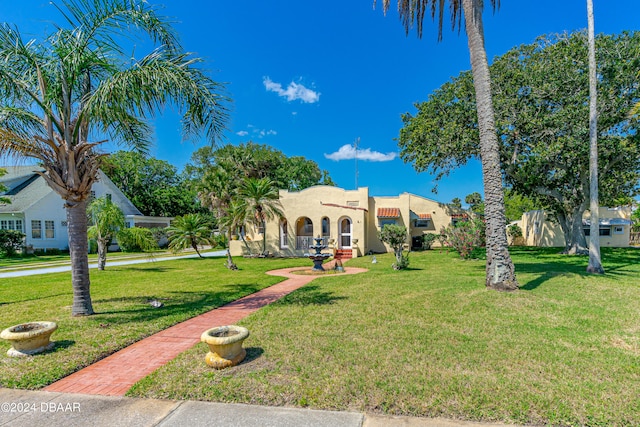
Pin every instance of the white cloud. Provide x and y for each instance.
(295, 91)
(348, 152)
(255, 132)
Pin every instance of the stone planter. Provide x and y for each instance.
(225, 345)
(29, 338)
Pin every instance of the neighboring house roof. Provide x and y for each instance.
(25, 188)
(388, 213)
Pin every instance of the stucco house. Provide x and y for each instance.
(615, 227)
(348, 221)
(39, 212)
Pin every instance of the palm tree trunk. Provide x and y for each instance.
(230, 264)
(78, 250)
(102, 253)
(595, 264)
(500, 269)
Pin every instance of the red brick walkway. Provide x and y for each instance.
(114, 375)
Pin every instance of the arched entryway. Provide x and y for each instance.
(345, 227)
(304, 233)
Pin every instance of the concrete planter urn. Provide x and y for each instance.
(225, 345)
(29, 338)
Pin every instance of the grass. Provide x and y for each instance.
(432, 341)
(121, 298)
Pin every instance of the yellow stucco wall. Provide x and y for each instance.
(336, 205)
(539, 230)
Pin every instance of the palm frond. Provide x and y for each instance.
(160, 79)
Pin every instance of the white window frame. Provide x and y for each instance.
(38, 229)
(49, 229)
(618, 229)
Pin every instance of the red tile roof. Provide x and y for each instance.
(424, 216)
(388, 212)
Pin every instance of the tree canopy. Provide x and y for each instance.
(153, 186)
(251, 160)
(541, 99)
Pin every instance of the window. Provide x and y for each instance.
(284, 234)
(11, 224)
(36, 229)
(325, 227)
(618, 229)
(387, 221)
(604, 231)
(422, 223)
(49, 230)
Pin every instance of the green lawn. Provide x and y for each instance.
(120, 296)
(432, 341)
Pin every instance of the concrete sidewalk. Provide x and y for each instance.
(63, 268)
(28, 408)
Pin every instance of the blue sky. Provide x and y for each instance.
(309, 78)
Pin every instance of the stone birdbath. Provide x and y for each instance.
(225, 345)
(29, 338)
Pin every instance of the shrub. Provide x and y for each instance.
(10, 242)
(136, 239)
(427, 240)
(514, 231)
(396, 236)
(465, 236)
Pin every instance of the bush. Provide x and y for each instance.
(427, 240)
(10, 242)
(219, 241)
(396, 237)
(514, 231)
(136, 239)
(465, 236)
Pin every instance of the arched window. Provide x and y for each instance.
(284, 234)
(326, 228)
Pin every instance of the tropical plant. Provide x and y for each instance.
(595, 262)
(137, 239)
(106, 219)
(262, 202)
(62, 97)
(396, 237)
(499, 267)
(189, 231)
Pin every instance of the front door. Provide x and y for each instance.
(345, 233)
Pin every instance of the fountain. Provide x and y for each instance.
(318, 258)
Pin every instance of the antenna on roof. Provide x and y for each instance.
(355, 146)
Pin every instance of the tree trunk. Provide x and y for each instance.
(595, 264)
(230, 264)
(78, 250)
(194, 245)
(500, 270)
(102, 253)
(571, 224)
(264, 237)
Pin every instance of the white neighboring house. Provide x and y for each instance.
(39, 212)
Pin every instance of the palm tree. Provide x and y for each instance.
(189, 231)
(60, 98)
(500, 270)
(262, 201)
(595, 263)
(107, 219)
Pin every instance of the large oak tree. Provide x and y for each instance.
(541, 99)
